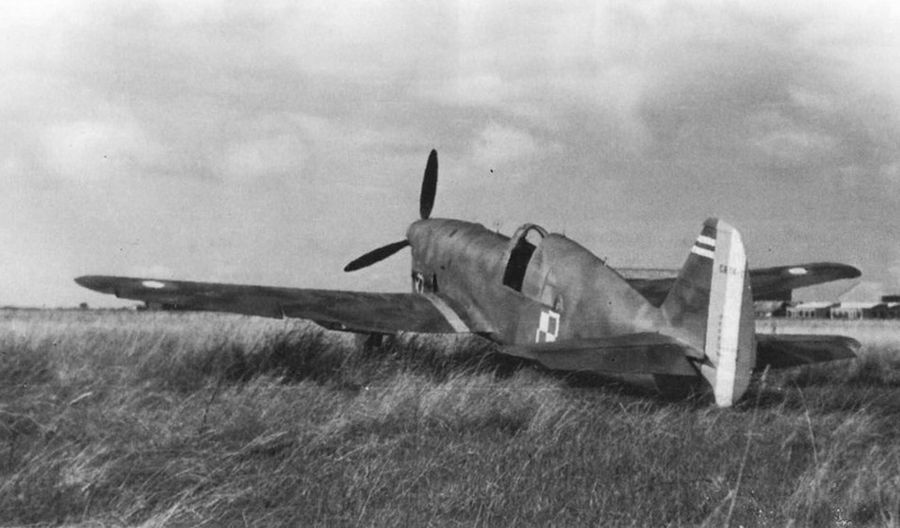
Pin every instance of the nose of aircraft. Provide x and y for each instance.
(417, 230)
(419, 233)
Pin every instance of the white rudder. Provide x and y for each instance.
(711, 304)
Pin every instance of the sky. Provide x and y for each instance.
(273, 143)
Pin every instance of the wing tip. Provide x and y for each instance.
(853, 346)
(833, 270)
(100, 283)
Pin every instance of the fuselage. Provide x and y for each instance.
(533, 287)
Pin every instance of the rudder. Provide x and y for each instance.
(710, 306)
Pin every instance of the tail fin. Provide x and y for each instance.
(711, 307)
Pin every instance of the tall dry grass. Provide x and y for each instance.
(161, 419)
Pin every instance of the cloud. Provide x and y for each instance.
(790, 146)
(156, 271)
(864, 291)
(503, 144)
(321, 116)
(268, 157)
(99, 150)
(891, 172)
(480, 89)
(893, 270)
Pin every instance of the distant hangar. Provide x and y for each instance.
(887, 308)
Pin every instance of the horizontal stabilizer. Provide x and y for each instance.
(774, 283)
(643, 353)
(791, 350)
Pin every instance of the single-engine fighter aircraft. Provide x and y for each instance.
(544, 297)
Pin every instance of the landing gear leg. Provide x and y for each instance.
(366, 343)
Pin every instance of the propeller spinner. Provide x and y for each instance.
(426, 203)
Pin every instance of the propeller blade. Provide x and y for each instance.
(376, 255)
(429, 186)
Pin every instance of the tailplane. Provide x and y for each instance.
(710, 306)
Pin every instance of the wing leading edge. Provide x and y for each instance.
(387, 313)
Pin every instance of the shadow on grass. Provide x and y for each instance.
(310, 354)
(313, 355)
(300, 355)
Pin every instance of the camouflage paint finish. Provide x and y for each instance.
(464, 263)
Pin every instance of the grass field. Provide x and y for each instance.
(163, 419)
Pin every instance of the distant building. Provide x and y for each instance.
(767, 309)
(893, 310)
(885, 310)
(845, 310)
(810, 310)
(853, 310)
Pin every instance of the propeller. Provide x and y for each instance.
(426, 203)
(429, 186)
(376, 255)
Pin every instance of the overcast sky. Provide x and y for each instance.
(210, 140)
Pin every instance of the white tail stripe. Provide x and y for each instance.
(703, 252)
(703, 239)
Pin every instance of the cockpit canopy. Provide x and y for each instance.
(523, 244)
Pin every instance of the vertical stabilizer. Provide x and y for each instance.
(711, 306)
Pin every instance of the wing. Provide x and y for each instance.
(642, 353)
(791, 350)
(338, 310)
(774, 283)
